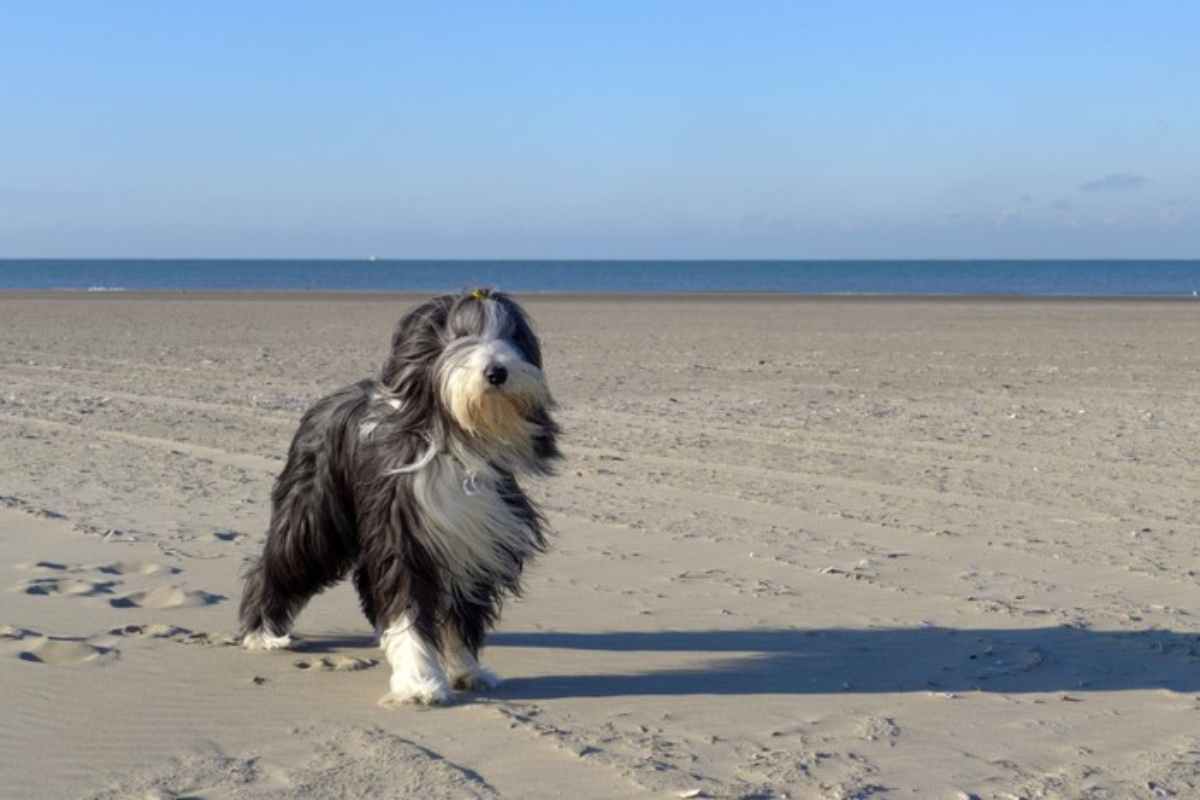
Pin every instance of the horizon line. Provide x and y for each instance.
(627, 259)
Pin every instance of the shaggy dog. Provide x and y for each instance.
(410, 482)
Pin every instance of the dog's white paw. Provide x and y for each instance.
(416, 691)
(262, 640)
(475, 680)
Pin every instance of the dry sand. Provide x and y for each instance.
(805, 548)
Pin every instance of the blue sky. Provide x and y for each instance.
(601, 130)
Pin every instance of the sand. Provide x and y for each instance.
(805, 548)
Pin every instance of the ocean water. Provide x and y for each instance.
(1030, 278)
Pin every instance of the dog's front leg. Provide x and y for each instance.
(417, 675)
(462, 663)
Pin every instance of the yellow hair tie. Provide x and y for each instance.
(481, 294)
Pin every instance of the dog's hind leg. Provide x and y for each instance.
(266, 612)
(309, 548)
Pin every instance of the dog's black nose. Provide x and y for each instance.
(495, 374)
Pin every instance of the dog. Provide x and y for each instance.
(410, 482)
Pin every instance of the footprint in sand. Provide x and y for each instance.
(337, 664)
(55, 650)
(177, 634)
(107, 568)
(59, 578)
(14, 633)
(49, 566)
(167, 597)
(71, 580)
(135, 568)
(75, 587)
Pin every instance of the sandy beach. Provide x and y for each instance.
(804, 548)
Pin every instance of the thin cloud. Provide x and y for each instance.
(1116, 182)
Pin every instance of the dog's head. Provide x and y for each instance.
(474, 357)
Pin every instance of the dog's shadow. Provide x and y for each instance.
(789, 661)
(321, 645)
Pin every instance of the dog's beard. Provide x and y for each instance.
(491, 415)
(499, 416)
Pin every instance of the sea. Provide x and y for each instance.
(1052, 278)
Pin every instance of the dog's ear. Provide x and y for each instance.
(521, 331)
(416, 338)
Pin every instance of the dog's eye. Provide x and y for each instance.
(525, 344)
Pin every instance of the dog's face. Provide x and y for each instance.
(489, 375)
(479, 356)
